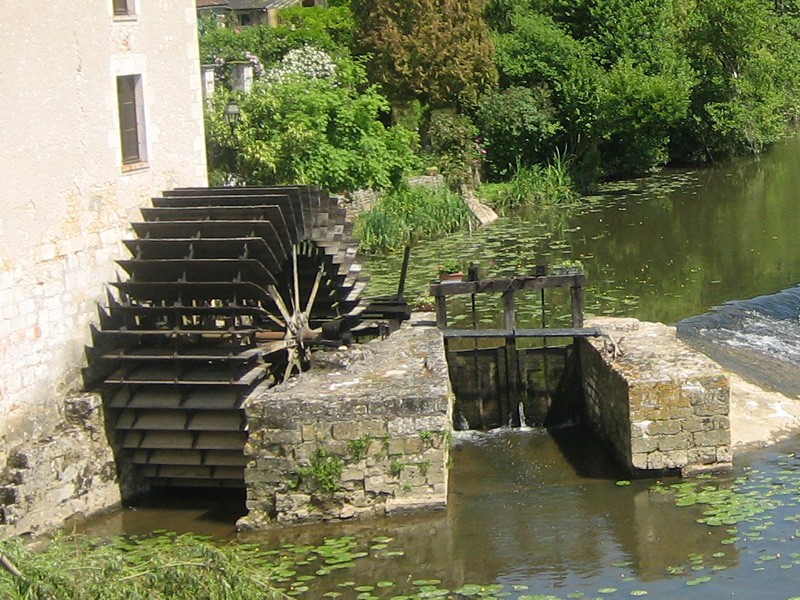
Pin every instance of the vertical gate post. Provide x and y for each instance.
(576, 294)
(511, 416)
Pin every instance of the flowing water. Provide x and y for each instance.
(535, 516)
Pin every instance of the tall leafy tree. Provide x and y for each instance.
(537, 52)
(747, 67)
(436, 51)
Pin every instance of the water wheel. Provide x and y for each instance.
(226, 289)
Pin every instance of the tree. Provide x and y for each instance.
(746, 61)
(436, 51)
(537, 52)
(637, 114)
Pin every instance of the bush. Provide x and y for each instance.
(637, 113)
(516, 125)
(325, 131)
(453, 140)
(411, 212)
(329, 29)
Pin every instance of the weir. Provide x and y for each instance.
(505, 384)
(656, 403)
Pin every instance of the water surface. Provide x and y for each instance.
(660, 248)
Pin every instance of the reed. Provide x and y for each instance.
(536, 185)
(410, 213)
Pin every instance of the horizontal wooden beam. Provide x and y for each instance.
(505, 284)
(522, 333)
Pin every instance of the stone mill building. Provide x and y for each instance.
(101, 109)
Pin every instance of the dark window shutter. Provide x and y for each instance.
(128, 127)
(121, 7)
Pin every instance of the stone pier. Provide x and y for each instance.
(364, 432)
(659, 404)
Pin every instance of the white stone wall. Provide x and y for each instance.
(67, 202)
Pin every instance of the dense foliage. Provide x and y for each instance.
(644, 83)
(517, 125)
(311, 120)
(437, 51)
(409, 213)
(169, 567)
(362, 92)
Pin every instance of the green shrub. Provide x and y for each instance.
(325, 131)
(517, 124)
(408, 213)
(325, 471)
(358, 447)
(453, 140)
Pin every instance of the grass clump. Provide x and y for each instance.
(325, 470)
(417, 212)
(168, 566)
(538, 186)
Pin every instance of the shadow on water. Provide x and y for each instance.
(207, 511)
(586, 454)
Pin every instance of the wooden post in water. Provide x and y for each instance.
(401, 285)
(510, 415)
(576, 295)
(441, 311)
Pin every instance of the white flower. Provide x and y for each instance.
(306, 62)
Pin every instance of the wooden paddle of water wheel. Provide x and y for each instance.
(226, 289)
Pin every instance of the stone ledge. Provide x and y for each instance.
(660, 404)
(67, 475)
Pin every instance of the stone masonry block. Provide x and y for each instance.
(669, 443)
(705, 455)
(379, 485)
(415, 425)
(717, 437)
(663, 428)
(315, 431)
(660, 405)
(396, 446)
(644, 445)
(282, 436)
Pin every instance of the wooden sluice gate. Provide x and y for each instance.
(507, 384)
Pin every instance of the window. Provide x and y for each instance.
(122, 8)
(131, 119)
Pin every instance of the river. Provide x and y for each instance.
(536, 516)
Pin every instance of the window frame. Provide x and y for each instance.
(130, 111)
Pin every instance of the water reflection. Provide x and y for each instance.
(661, 248)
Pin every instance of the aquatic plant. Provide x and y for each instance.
(410, 213)
(536, 185)
(164, 566)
